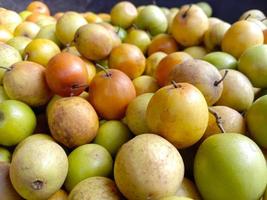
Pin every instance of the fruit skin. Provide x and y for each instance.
(111, 105)
(41, 51)
(202, 75)
(151, 18)
(19, 43)
(111, 135)
(6, 189)
(178, 113)
(49, 32)
(145, 84)
(18, 83)
(67, 25)
(5, 34)
(189, 25)
(237, 91)
(39, 169)
(72, 121)
(175, 198)
(206, 8)
(93, 41)
(27, 29)
(3, 95)
(197, 52)
(139, 38)
(17, 122)
(188, 189)
(164, 43)
(123, 14)
(157, 164)
(167, 64)
(231, 120)
(9, 17)
(221, 60)
(8, 56)
(59, 195)
(152, 63)
(5, 155)
(253, 13)
(66, 74)
(96, 188)
(39, 7)
(136, 114)
(223, 165)
(240, 36)
(253, 63)
(255, 118)
(90, 160)
(129, 59)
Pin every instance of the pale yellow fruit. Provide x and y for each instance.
(152, 62)
(145, 84)
(240, 36)
(188, 189)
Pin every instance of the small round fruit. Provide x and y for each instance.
(91, 70)
(189, 25)
(27, 29)
(17, 121)
(66, 74)
(253, 13)
(41, 51)
(223, 165)
(96, 188)
(93, 41)
(152, 63)
(39, 169)
(179, 113)
(5, 155)
(231, 121)
(167, 64)
(72, 121)
(205, 7)
(164, 43)
(9, 17)
(240, 36)
(145, 84)
(197, 52)
(123, 14)
(139, 38)
(129, 59)
(25, 82)
(5, 34)
(19, 43)
(110, 93)
(59, 195)
(92, 17)
(24, 14)
(253, 63)
(67, 25)
(111, 135)
(237, 91)
(255, 118)
(151, 18)
(159, 174)
(221, 60)
(90, 160)
(7, 190)
(136, 114)
(8, 56)
(202, 75)
(49, 32)
(39, 7)
(188, 189)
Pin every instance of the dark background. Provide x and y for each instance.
(228, 10)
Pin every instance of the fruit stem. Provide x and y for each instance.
(216, 83)
(247, 16)
(134, 26)
(108, 74)
(175, 85)
(68, 47)
(6, 68)
(118, 30)
(218, 119)
(26, 57)
(262, 20)
(186, 12)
